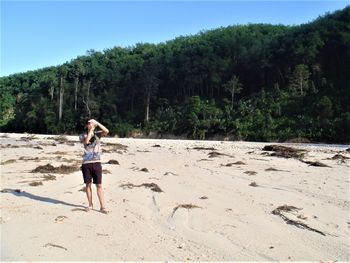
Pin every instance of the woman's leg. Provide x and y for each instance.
(89, 195)
(101, 197)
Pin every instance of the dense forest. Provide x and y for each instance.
(255, 82)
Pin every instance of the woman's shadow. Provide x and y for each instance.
(20, 193)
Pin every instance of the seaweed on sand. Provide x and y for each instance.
(235, 163)
(35, 183)
(186, 206)
(284, 151)
(216, 154)
(279, 211)
(48, 168)
(316, 163)
(204, 148)
(154, 187)
(112, 162)
(254, 184)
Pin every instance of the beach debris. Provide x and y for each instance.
(58, 153)
(60, 218)
(48, 168)
(49, 177)
(186, 206)
(204, 148)
(38, 147)
(6, 190)
(203, 197)
(36, 183)
(284, 151)
(272, 169)
(182, 245)
(254, 184)
(112, 162)
(9, 146)
(316, 163)
(250, 172)
(156, 145)
(301, 216)
(340, 158)
(152, 186)
(8, 161)
(116, 146)
(204, 160)
(281, 210)
(144, 170)
(29, 137)
(78, 210)
(61, 139)
(170, 173)
(25, 158)
(53, 245)
(216, 154)
(235, 163)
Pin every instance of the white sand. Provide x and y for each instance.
(233, 221)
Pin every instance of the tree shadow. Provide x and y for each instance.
(20, 193)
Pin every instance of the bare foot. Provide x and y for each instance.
(88, 208)
(104, 210)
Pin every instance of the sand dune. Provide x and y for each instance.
(174, 200)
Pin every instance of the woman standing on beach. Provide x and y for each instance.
(91, 167)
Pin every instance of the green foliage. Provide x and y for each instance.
(122, 129)
(252, 82)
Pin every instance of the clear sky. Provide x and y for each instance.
(36, 34)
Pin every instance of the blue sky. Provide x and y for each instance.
(36, 34)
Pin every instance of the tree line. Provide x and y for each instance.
(255, 82)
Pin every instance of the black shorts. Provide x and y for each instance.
(92, 170)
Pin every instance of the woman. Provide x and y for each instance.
(91, 167)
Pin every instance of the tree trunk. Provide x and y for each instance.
(147, 105)
(60, 110)
(88, 91)
(132, 100)
(232, 96)
(87, 98)
(52, 89)
(76, 82)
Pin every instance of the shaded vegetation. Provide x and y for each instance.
(248, 82)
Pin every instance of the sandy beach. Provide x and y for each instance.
(174, 200)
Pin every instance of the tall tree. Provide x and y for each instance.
(234, 87)
(299, 81)
(62, 72)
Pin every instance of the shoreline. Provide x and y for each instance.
(306, 144)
